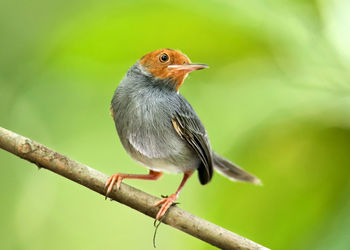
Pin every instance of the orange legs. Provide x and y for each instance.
(168, 201)
(153, 175)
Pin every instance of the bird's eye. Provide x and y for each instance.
(163, 58)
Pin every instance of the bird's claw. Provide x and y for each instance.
(166, 203)
(116, 178)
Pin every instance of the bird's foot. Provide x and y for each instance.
(166, 202)
(116, 178)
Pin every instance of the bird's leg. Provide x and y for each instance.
(153, 175)
(168, 201)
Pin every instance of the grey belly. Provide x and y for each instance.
(162, 153)
(151, 140)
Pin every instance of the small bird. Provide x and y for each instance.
(159, 128)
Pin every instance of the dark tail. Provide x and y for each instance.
(232, 171)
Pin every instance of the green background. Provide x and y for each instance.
(275, 100)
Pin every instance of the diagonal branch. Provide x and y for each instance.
(127, 195)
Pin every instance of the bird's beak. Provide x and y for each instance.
(189, 67)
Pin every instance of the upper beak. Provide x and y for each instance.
(189, 67)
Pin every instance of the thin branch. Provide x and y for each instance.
(127, 195)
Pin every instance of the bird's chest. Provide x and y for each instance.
(143, 115)
(144, 125)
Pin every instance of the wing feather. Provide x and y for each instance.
(190, 128)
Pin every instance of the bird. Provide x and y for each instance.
(159, 128)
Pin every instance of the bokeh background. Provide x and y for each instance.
(275, 100)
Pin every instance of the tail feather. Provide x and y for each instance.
(232, 171)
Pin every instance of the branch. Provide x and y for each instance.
(127, 195)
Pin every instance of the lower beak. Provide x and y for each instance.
(189, 67)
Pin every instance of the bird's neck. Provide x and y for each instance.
(140, 76)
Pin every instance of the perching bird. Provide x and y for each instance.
(159, 128)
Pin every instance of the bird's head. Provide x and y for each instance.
(169, 64)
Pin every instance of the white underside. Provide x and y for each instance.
(162, 166)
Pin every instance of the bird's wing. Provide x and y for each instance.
(190, 128)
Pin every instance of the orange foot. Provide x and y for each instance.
(166, 204)
(153, 175)
(112, 180)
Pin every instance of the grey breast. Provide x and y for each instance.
(142, 114)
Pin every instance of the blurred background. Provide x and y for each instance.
(275, 101)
